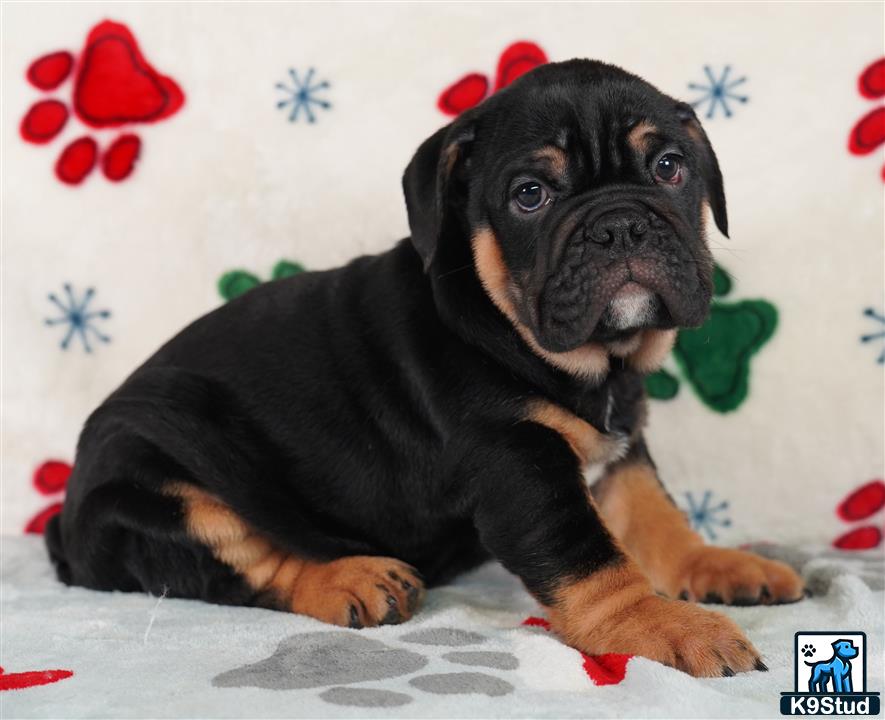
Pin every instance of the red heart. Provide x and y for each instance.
(517, 60)
(52, 476)
(866, 500)
(18, 681)
(862, 538)
(116, 85)
(43, 121)
(607, 669)
(868, 133)
(37, 524)
(872, 80)
(76, 160)
(50, 71)
(463, 94)
(120, 158)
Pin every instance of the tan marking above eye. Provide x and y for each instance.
(555, 157)
(640, 136)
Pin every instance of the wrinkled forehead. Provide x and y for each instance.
(604, 123)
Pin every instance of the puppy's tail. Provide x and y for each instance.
(52, 534)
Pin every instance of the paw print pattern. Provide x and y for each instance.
(50, 478)
(607, 669)
(350, 658)
(473, 88)
(715, 358)
(808, 650)
(114, 86)
(861, 504)
(31, 678)
(236, 282)
(868, 133)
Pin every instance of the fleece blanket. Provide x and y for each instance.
(478, 649)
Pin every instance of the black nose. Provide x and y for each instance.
(624, 228)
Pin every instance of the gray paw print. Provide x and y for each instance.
(339, 658)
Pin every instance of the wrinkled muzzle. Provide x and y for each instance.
(626, 255)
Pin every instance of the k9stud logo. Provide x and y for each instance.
(830, 675)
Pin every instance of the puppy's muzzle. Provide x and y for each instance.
(621, 240)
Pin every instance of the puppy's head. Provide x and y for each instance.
(581, 191)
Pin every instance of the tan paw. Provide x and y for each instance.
(687, 637)
(359, 591)
(734, 577)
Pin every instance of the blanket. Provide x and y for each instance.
(479, 648)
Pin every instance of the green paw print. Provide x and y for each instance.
(715, 358)
(236, 282)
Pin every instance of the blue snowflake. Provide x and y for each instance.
(719, 92)
(870, 313)
(81, 321)
(303, 95)
(706, 517)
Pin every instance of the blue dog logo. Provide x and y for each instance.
(837, 669)
(837, 686)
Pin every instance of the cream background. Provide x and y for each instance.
(229, 183)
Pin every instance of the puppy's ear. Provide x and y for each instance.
(427, 184)
(709, 166)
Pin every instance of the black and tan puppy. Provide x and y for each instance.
(322, 443)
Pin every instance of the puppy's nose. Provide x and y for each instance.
(619, 228)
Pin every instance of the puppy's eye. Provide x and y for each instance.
(669, 169)
(530, 196)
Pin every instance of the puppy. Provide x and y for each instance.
(324, 442)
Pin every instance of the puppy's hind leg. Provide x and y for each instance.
(355, 591)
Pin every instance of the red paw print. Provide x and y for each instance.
(21, 680)
(50, 478)
(473, 88)
(608, 669)
(862, 503)
(114, 85)
(869, 132)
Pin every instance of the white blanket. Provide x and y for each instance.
(467, 654)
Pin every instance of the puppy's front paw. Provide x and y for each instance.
(687, 637)
(722, 575)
